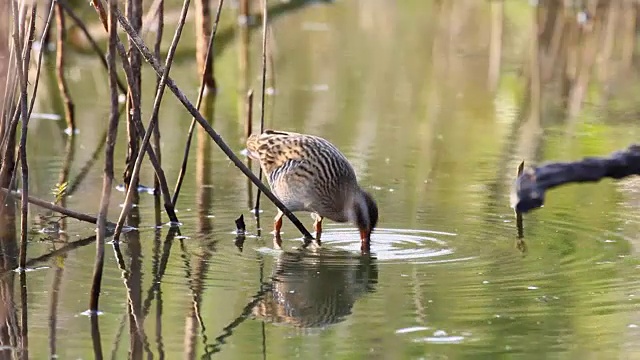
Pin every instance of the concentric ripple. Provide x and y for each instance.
(389, 245)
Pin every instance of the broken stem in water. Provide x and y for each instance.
(153, 121)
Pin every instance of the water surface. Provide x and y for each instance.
(405, 90)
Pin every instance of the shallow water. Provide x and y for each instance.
(403, 91)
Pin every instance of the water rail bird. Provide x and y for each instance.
(308, 173)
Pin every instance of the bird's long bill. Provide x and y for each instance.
(365, 240)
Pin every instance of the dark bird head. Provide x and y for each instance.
(365, 217)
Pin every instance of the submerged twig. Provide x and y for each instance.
(148, 56)
(203, 84)
(107, 178)
(153, 122)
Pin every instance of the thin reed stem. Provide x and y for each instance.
(61, 35)
(203, 84)
(108, 167)
(136, 120)
(148, 56)
(8, 160)
(134, 101)
(262, 97)
(22, 66)
(156, 129)
(153, 121)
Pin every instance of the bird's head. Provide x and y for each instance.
(365, 216)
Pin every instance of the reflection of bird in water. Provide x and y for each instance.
(308, 173)
(315, 290)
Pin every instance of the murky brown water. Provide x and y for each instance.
(405, 90)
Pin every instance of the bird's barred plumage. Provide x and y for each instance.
(306, 172)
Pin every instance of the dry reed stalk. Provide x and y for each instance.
(134, 102)
(203, 84)
(148, 56)
(153, 122)
(22, 64)
(108, 167)
(156, 129)
(248, 129)
(137, 123)
(61, 35)
(262, 98)
(8, 160)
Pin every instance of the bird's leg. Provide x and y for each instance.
(317, 226)
(277, 225)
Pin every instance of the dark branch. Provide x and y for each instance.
(532, 184)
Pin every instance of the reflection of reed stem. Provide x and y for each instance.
(138, 335)
(53, 308)
(95, 338)
(24, 325)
